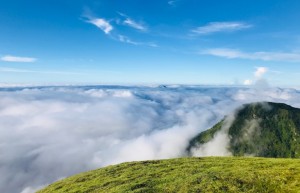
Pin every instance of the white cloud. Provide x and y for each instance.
(260, 71)
(9, 58)
(135, 24)
(224, 52)
(125, 39)
(248, 82)
(258, 78)
(172, 3)
(131, 23)
(48, 133)
(102, 24)
(106, 27)
(215, 27)
(152, 44)
(265, 56)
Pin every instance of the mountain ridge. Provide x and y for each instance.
(264, 129)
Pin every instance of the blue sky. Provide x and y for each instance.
(149, 42)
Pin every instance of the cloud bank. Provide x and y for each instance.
(48, 133)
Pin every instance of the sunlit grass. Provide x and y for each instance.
(210, 174)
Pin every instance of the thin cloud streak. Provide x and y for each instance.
(125, 39)
(9, 58)
(172, 2)
(265, 56)
(17, 70)
(214, 27)
(132, 23)
(102, 24)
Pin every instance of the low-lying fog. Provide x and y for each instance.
(48, 133)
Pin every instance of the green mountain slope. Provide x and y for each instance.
(259, 129)
(210, 174)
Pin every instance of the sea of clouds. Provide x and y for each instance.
(48, 133)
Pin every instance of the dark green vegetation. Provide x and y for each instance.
(210, 174)
(260, 129)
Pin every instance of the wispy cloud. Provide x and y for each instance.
(265, 56)
(108, 29)
(102, 24)
(214, 27)
(18, 70)
(172, 2)
(224, 52)
(132, 23)
(9, 58)
(125, 39)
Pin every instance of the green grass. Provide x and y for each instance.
(210, 174)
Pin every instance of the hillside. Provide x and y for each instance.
(259, 129)
(210, 174)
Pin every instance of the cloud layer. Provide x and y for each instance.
(48, 133)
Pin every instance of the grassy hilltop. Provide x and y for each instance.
(210, 174)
